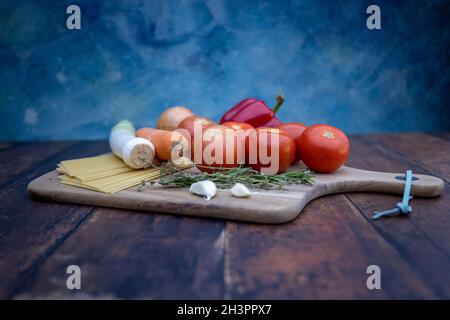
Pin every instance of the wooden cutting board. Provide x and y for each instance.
(265, 206)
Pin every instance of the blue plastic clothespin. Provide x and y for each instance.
(401, 207)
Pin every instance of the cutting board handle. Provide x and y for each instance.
(349, 179)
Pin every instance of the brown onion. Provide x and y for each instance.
(171, 117)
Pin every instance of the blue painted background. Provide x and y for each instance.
(132, 59)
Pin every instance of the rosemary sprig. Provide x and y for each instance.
(227, 178)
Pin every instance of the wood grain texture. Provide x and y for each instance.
(158, 256)
(424, 232)
(321, 254)
(433, 216)
(443, 135)
(131, 255)
(8, 145)
(266, 206)
(32, 230)
(22, 157)
(428, 152)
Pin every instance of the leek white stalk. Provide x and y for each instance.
(136, 152)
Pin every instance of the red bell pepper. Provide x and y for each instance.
(254, 112)
(272, 123)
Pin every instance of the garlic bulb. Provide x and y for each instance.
(206, 188)
(240, 191)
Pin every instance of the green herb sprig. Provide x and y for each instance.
(227, 178)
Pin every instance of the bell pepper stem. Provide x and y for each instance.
(280, 101)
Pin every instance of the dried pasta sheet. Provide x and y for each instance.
(100, 163)
(105, 173)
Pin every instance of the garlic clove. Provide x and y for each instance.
(182, 162)
(240, 191)
(206, 188)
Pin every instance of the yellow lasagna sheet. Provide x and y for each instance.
(101, 163)
(105, 173)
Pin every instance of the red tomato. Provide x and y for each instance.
(186, 128)
(189, 123)
(238, 125)
(243, 130)
(324, 148)
(295, 130)
(270, 150)
(219, 150)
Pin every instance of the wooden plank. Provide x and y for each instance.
(32, 230)
(411, 255)
(125, 254)
(323, 254)
(434, 217)
(331, 265)
(423, 150)
(422, 239)
(8, 145)
(442, 135)
(22, 157)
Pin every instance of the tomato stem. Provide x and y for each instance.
(328, 134)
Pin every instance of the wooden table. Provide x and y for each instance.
(322, 254)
